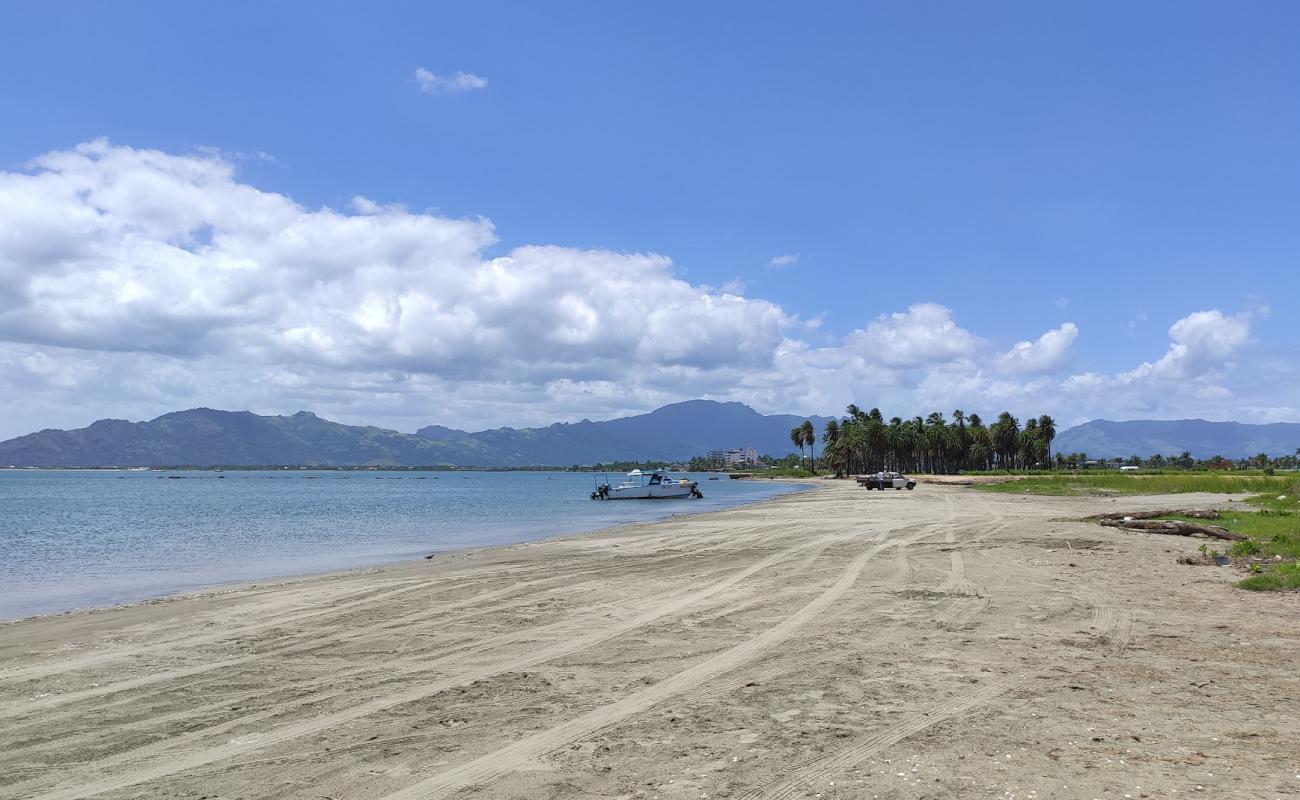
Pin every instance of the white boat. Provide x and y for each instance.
(640, 485)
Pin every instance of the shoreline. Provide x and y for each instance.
(941, 642)
(288, 579)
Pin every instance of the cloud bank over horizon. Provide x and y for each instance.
(134, 282)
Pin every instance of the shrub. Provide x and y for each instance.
(1246, 547)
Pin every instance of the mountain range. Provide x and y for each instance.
(206, 437)
(1103, 438)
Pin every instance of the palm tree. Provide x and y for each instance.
(854, 441)
(796, 436)
(1047, 432)
(809, 434)
(1029, 444)
(896, 444)
(832, 449)
(1006, 439)
(876, 438)
(831, 434)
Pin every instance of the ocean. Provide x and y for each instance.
(91, 538)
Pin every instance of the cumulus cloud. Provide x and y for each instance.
(133, 282)
(111, 248)
(448, 84)
(1188, 380)
(782, 261)
(1049, 353)
(924, 334)
(1201, 342)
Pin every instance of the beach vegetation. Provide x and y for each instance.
(1271, 550)
(864, 441)
(1106, 483)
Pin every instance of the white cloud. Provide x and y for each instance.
(1202, 342)
(107, 249)
(1188, 380)
(133, 282)
(1048, 354)
(448, 84)
(925, 334)
(787, 260)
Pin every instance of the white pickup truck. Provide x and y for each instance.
(891, 480)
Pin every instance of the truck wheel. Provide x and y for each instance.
(911, 486)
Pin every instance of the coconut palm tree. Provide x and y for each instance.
(831, 434)
(796, 437)
(1029, 444)
(809, 434)
(1047, 432)
(832, 447)
(854, 438)
(1006, 439)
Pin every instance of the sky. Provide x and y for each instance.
(495, 214)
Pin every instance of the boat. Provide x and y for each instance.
(654, 485)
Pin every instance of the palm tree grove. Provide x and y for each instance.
(864, 441)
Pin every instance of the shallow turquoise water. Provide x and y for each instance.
(75, 539)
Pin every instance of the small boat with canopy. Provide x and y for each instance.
(652, 485)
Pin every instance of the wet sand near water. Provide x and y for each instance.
(837, 643)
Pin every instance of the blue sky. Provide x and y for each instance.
(1117, 166)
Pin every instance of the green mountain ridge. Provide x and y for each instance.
(1103, 438)
(209, 437)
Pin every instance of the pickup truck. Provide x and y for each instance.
(893, 480)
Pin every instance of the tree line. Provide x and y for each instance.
(864, 441)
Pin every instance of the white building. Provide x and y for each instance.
(747, 456)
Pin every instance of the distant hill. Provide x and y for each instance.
(1106, 439)
(205, 437)
(673, 432)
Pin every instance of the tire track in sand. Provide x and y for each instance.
(1114, 626)
(298, 645)
(161, 761)
(903, 572)
(816, 772)
(516, 754)
(956, 612)
(58, 664)
(957, 582)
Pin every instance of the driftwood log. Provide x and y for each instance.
(1195, 513)
(1173, 528)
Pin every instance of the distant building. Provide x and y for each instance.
(747, 456)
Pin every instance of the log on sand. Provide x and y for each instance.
(1195, 513)
(1173, 528)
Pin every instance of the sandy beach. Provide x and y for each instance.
(837, 643)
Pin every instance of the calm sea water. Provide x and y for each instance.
(75, 539)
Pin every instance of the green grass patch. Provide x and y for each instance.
(1273, 530)
(1287, 499)
(783, 472)
(1138, 483)
(1274, 579)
